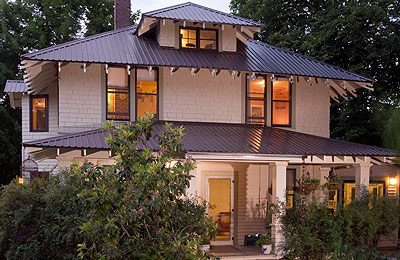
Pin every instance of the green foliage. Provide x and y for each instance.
(313, 231)
(27, 25)
(265, 239)
(361, 36)
(139, 208)
(40, 220)
(135, 209)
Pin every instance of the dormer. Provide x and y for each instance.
(192, 26)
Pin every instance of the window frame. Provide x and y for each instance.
(46, 97)
(198, 29)
(290, 101)
(157, 95)
(247, 98)
(129, 95)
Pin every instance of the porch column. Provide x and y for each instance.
(362, 171)
(278, 174)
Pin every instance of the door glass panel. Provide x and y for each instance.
(220, 206)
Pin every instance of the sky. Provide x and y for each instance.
(149, 5)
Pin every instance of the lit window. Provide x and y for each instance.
(146, 92)
(255, 113)
(117, 94)
(281, 103)
(197, 38)
(188, 38)
(39, 113)
(208, 39)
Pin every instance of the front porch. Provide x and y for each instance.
(239, 252)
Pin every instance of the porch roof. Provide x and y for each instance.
(228, 138)
(15, 86)
(125, 46)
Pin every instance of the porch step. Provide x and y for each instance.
(240, 252)
(249, 257)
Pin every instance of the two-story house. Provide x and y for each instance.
(254, 115)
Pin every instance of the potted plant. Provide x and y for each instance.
(333, 181)
(207, 236)
(265, 242)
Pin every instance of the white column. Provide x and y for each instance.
(278, 174)
(362, 172)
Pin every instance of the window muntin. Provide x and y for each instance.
(197, 38)
(39, 113)
(256, 98)
(117, 94)
(146, 92)
(281, 103)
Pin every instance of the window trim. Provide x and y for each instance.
(247, 98)
(46, 97)
(290, 101)
(198, 29)
(157, 95)
(129, 95)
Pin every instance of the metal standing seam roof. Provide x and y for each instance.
(228, 138)
(15, 86)
(198, 13)
(124, 46)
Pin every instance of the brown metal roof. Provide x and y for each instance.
(198, 13)
(15, 86)
(229, 138)
(124, 46)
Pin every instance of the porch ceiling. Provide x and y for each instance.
(229, 138)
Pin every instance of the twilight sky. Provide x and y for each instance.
(149, 5)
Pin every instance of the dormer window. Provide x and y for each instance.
(197, 38)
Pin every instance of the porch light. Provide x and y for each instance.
(392, 181)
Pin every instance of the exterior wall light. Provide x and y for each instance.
(392, 181)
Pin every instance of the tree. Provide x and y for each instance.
(139, 208)
(27, 25)
(361, 36)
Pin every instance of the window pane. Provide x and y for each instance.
(280, 113)
(146, 104)
(255, 109)
(146, 92)
(256, 88)
(188, 38)
(117, 94)
(118, 103)
(281, 90)
(117, 77)
(39, 120)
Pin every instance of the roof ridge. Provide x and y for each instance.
(174, 7)
(78, 41)
(307, 57)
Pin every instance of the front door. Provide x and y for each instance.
(220, 198)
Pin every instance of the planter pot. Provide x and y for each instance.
(266, 249)
(205, 248)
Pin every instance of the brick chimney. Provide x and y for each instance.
(122, 13)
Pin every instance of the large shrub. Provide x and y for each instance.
(312, 231)
(135, 209)
(138, 208)
(40, 220)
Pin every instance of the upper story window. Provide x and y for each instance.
(39, 113)
(255, 100)
(281, 103)
(117, 94)
(197, 38)
(146, 92)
